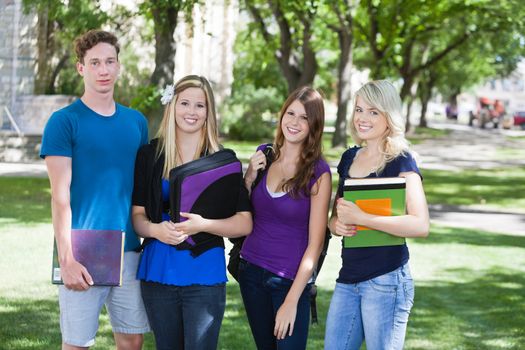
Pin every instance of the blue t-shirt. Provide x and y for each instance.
(103, 151)
(165, 264)
(362, 264)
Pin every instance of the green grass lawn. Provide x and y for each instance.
(419, 134)
(495, 188)
(469, 293)
(469, 284)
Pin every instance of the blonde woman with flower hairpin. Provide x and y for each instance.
(184, 293)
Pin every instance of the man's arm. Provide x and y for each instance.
(74, 274)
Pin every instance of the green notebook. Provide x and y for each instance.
(379, 196)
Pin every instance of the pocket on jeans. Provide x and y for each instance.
(387, 283)
(242, 264)
(279, 282)
(409, 290)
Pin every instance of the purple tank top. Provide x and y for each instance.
(280, 228)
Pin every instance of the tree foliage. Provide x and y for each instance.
(287, 28)
(59, 23)
(405, 39)
(255, 65)
(342, 12)
(165, 16)
(251, 107)
(428, 47)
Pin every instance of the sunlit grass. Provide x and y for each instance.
(495, 188)
(505, 153)
(469, 283)
(420, 134)
(24, 199)
(469, 293)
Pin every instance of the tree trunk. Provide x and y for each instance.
(290, 74)
(309, 66)
(344, 91)
(406, 88)
(410, 100)
(424, 105)
(52, 79)
(45, 52)
(164, 23)
(453, 99)
(406, 96)
(425, 96)
(297, 71)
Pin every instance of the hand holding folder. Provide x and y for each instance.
(377, 196)
(101, 252)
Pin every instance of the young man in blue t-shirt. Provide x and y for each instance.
(90, 148)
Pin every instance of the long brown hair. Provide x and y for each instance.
(311, 150)
(209, 142)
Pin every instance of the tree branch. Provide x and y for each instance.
(443, 52)
(256, 14)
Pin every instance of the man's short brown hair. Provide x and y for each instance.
(91, 38)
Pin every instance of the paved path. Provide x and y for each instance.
(470, 148)
(464, 148)
(36, 169)
(482, 219)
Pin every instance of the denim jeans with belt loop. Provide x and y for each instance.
(263, 292)
(375, 311)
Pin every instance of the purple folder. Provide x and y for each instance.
(100, 251)
(209, 186)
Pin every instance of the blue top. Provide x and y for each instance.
(103, 151)
(362, 264)
(165, 264)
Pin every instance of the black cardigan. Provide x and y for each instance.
(147, 193)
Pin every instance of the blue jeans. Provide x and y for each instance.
(184, 317)
(375, 310)
(263, 292)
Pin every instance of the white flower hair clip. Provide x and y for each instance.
(167, 94)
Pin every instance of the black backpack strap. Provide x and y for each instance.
(313, 287)
(235, 252)
(313, 303)
(269, 154)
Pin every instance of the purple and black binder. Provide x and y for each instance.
(209, 186)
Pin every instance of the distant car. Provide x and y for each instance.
(519, 119)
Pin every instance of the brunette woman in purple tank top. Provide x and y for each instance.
(290, 208)
(375, 291)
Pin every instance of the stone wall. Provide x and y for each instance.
(15, 148)
(32, 111)
(23, 48)
(31, 114)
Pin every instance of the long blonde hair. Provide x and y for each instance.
(381, 94)
(209, 142)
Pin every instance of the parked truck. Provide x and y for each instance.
(488, 111)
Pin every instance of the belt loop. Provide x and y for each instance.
(404, 270)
